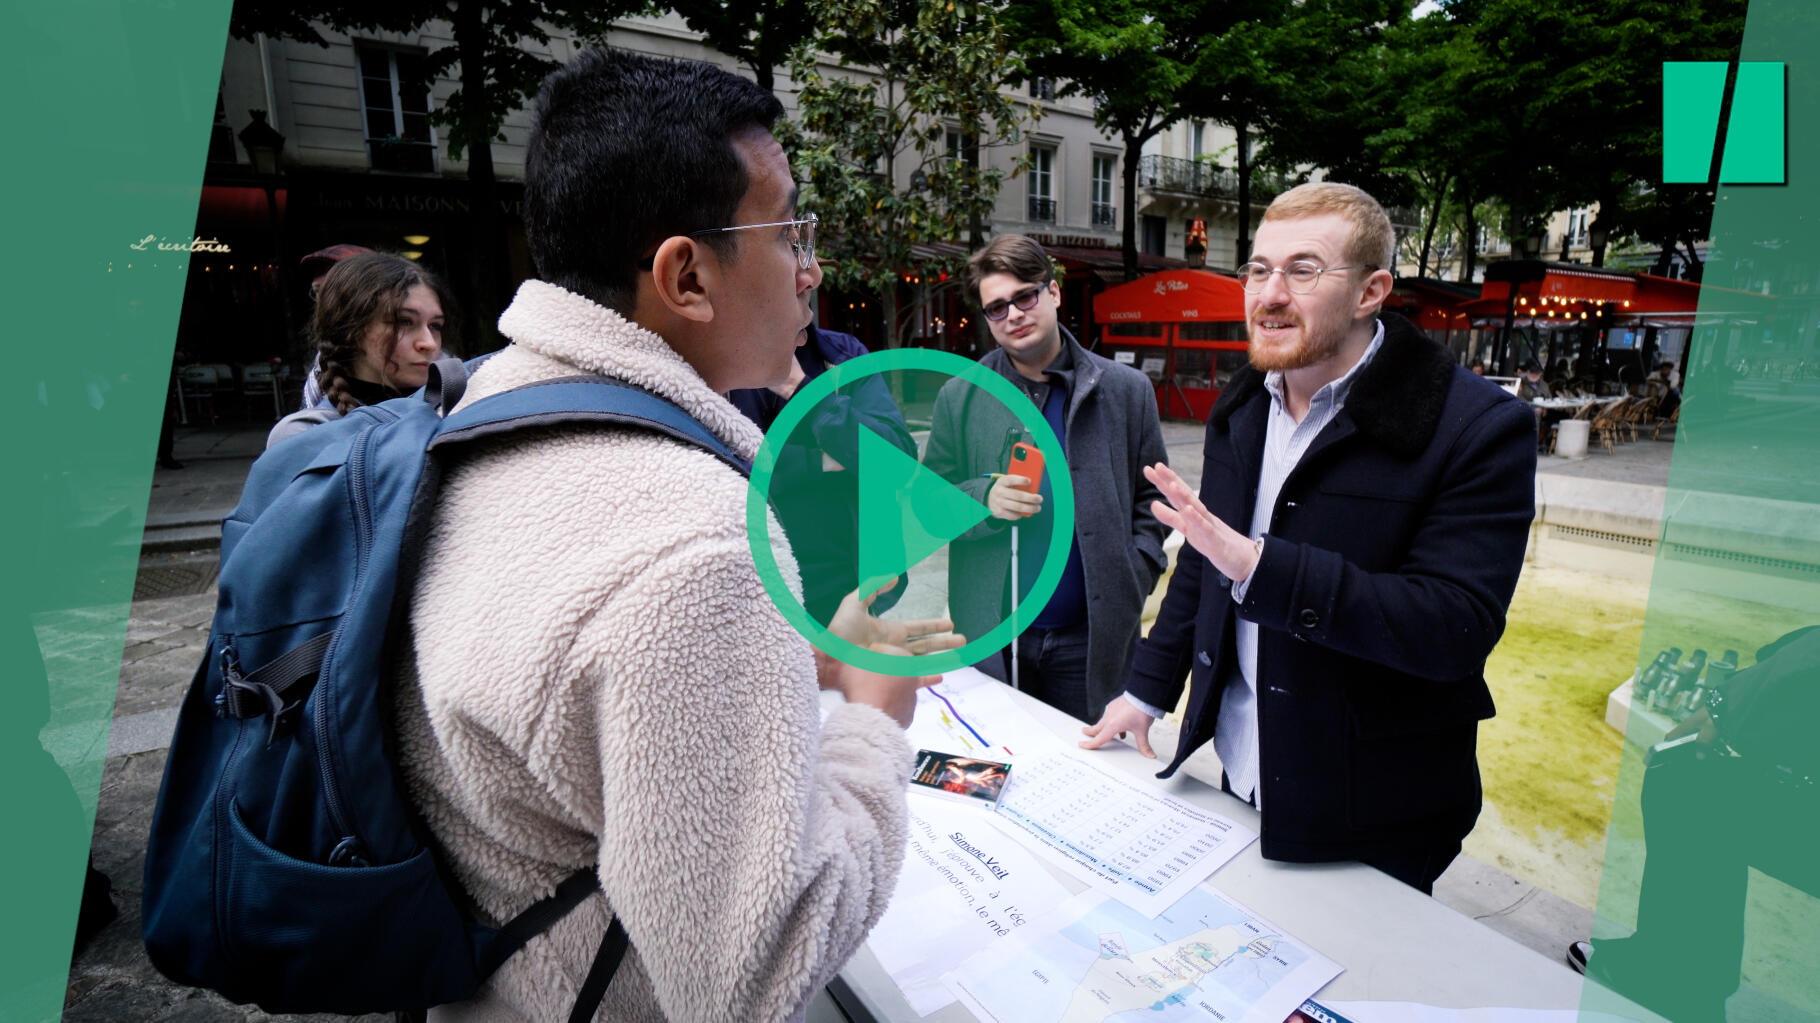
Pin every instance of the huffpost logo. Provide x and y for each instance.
(1694, 101)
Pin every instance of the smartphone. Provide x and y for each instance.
(1027, 461)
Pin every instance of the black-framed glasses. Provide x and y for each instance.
(1024, 300)
(1302, 276)
(800, 232)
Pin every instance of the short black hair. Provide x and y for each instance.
(629, 150)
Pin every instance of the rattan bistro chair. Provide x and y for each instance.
(1638, 412)
(1607, 426)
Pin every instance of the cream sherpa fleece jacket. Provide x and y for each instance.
(599, 677)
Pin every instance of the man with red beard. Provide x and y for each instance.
(1363, 512)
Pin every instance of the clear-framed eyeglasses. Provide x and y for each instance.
(1302, 276)
(800, 232)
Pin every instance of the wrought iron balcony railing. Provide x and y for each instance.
(1195, 177)
(1042, 209)
(1104, 214)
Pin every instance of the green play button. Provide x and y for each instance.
(906, 512)
(859, 508)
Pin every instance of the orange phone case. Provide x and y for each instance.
(1027, 461)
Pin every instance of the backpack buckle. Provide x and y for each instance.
(242, 698)
(284, 719)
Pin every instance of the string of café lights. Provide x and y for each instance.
(1562, 304)
(206, 268)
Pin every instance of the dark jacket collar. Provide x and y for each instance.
(1396, 399)
(1079, 376)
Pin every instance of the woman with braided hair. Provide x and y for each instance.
(378, 325)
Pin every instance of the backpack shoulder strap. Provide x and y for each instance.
(581, 399)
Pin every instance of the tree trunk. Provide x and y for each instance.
(1471, 259)
(1434, 220)
(889, 298)
(1241, 251)
(1696, 270)
(889, 301)
(763, 59)
(1128, 232)
(486, 249)
(976, 236)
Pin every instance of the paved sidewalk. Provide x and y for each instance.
(112, 981)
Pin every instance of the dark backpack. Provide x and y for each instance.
(287, 865)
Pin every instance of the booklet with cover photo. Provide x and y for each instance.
(980, 781)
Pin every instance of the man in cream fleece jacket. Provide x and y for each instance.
(597, 675)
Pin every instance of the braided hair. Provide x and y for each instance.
(357, 294)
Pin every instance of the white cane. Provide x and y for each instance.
(1014, 622)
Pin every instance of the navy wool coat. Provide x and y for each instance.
(1387, 572)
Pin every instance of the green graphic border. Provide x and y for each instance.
(976, 648)
(1736, 525)
(92, 329)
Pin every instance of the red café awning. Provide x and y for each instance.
(1172, 296)
(1631, 298)
(1429, 304)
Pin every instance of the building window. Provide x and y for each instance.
(1103, 210)
(1576, 227)
(1198, 133)
(396, 104)
(1042, 183)
(1042, 88)
(1155, 235)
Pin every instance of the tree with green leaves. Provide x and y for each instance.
(882, 118)
(1437, 146)
(760, 36)
(1543, 106)
(496, 74)
(1235, 80)
(1136, 59)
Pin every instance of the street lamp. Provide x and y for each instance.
(264, 144)
(1598, 235)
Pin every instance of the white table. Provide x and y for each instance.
(1395, 943)
(1574, 403)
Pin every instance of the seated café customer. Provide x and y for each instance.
(1531, 385)
(1662, 384)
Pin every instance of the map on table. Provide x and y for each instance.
(1099, 961)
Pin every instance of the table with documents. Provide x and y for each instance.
(1391, 942)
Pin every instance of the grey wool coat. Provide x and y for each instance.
(1112, 433)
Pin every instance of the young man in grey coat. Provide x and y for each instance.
(1076, 651)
